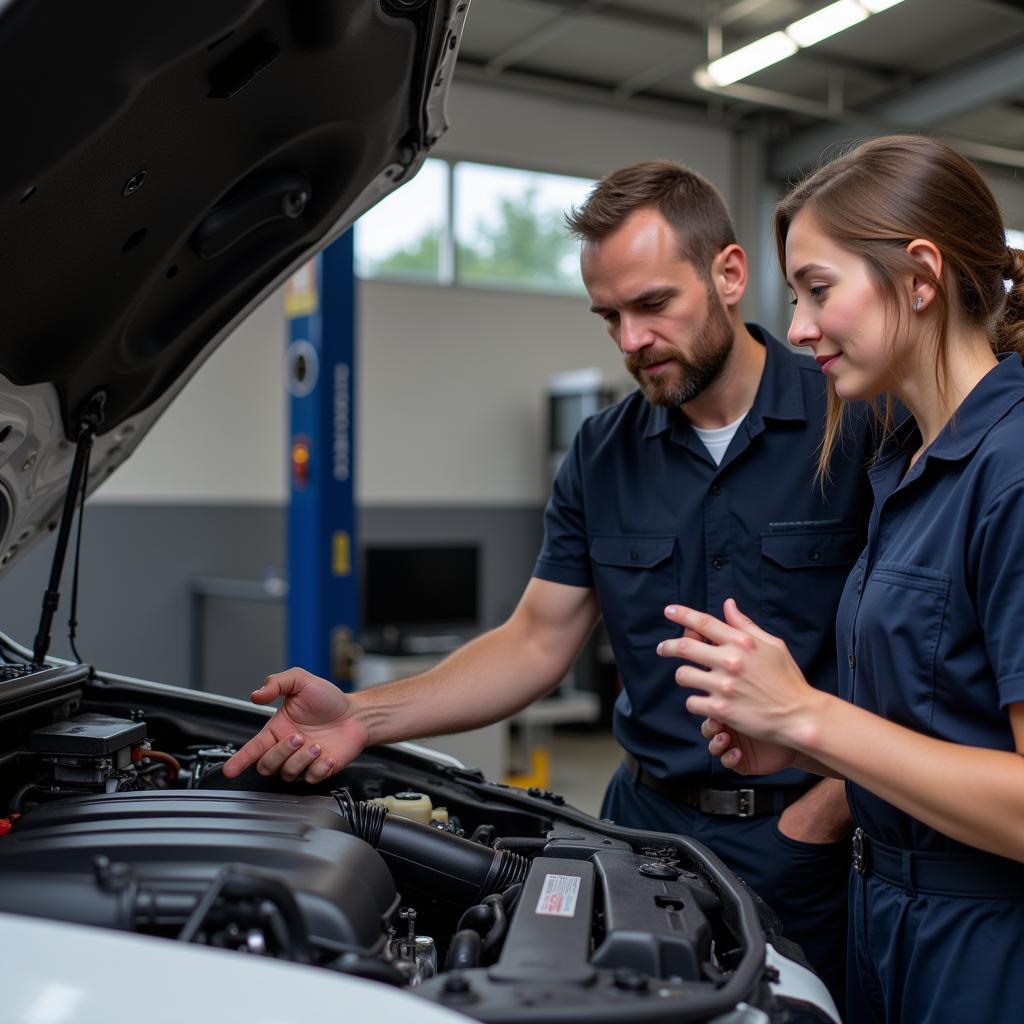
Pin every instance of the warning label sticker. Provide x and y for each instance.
(558, 895)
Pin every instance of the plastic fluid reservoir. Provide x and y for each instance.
(416, 806)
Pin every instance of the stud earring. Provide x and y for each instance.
(918, 304)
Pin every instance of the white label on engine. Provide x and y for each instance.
(558, 895)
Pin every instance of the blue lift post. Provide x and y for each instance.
(323, 593)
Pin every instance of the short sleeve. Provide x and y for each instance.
(564, 555)
(997, 556)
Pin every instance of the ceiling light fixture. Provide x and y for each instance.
(826, 22)
(760, 54)
(770, 49)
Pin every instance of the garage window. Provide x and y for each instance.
(475, 225)
(404, 235)
(510, 228)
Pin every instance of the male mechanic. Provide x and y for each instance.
(697, 487)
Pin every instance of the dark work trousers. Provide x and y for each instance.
(929, 958)
(804, 883)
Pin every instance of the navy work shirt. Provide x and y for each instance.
(640, 512)
(930, 624)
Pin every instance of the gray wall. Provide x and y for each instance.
(139, 562)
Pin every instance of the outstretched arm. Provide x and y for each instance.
(319, 729)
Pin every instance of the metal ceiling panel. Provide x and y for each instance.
(812, 77)
(494, 25)
(585, 52)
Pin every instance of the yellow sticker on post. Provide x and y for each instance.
(300, 292)
(341, 554)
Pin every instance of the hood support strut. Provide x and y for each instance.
(87, 427)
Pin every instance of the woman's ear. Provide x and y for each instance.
(922, 285)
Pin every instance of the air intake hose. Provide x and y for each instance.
(452, 868)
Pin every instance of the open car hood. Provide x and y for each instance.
(167, 166)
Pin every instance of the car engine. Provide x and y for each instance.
(502, 904)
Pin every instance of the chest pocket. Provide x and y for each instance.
(898, 630)
(635, 577)
(802, 577)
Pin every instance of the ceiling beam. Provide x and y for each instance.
(940, 98)
(660, 71)
(961, 90)
(740, 10)
(1011, 7)
(859, 126)
(638, 17)
(581, 92)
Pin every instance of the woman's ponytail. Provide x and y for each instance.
(1010, 328)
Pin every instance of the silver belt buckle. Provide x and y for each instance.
(736, 802)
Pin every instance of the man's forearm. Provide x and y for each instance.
(492, 677)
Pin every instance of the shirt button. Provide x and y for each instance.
(852, 660)
(814, 555)
(715, 489)
(718, 563)
(633, 556)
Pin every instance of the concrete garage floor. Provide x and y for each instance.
(581, 765)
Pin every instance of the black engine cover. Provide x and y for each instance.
(176, 844)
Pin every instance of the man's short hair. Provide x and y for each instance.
(690, 203)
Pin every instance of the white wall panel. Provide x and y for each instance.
(452, 390)
(223, 439)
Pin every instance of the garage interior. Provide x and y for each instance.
(457, 362)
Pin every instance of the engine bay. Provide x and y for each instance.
(498, 903)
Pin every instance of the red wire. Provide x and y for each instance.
(138, 754)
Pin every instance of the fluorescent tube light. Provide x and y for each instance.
(760, 54)
(874, 6)
(768, 50)
(826, 22)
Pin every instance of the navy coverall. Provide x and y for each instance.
(929, 632)
(640, 512)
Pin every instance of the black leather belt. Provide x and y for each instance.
(738, 802)
(952, 874)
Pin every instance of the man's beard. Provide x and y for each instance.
(710, 350)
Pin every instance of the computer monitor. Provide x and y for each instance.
(419, 597)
